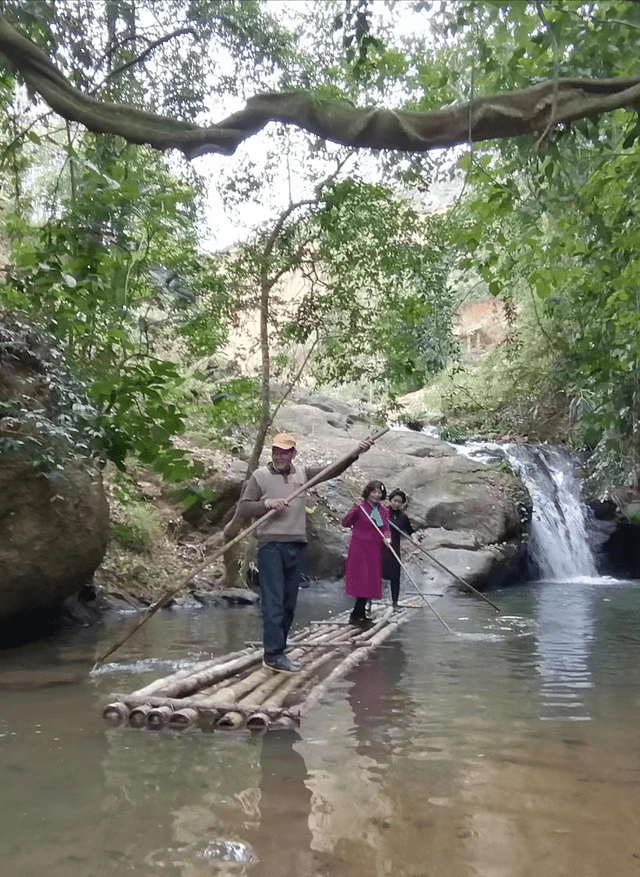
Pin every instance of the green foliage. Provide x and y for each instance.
(140, 529)
(133, 534)
(121, 251)
(236, 401)
(137, 418)
(196, 493)
(385, 312)
(45, 413)
(634, 516)
(554, 232)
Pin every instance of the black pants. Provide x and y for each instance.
(395, 587)
(279, 574)
(391, 571)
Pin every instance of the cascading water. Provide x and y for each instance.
(558, 539)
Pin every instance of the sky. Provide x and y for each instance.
(293, 176)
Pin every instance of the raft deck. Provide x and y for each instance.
(236, 691)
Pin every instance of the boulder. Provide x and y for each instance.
(326, 547)
(458, 494)
(465, 509)
(53, 535)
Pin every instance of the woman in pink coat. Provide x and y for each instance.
(370, 531)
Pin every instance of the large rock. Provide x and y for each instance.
(53, 536)
(473, 504)
(326, 547)
(460, 494)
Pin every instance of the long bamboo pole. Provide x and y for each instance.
(445, 568)
(407, 573)
(169, 595)
(179, 681)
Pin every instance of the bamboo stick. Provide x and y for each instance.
(179, 676)
(207, 719)
(260, 720)
(184, 718)
(215, 674)
(232, 721)
(158, 717)
(266, 689)
(167, 681)
(138, 714)
(446, 568)
(180, 703)
(235, 716)
(277, 699)
(259, 694)
(169, 595)
(116, 713)
(345, 665)
(231, 693)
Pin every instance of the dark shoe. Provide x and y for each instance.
(280, 663)
(360, 621)
(395, 606)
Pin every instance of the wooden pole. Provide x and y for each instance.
(438, 616)
(116, 713)
(178, 682)
(169, 595)
(408, 575)
(446, 569)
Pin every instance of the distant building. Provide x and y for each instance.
(481, 326)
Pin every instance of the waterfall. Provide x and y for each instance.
(558, 540)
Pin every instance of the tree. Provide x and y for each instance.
(578, 63)
(537, 109)
(556, 232)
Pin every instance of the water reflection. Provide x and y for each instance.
(430, 759)
(566, 633)
(377, 699)
(281, 836)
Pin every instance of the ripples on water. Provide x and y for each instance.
(505, 749)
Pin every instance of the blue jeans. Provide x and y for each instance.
(279, 574)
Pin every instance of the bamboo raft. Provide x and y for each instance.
(236, 691)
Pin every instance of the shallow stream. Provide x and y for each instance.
(509, 748)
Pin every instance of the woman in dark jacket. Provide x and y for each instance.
(397, 518)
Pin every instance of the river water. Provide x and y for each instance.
(509, 748)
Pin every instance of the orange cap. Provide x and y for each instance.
(284, 440)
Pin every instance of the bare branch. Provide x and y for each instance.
(143, 55)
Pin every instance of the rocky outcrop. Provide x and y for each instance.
(54, 518)
(53, 535)
(465, 511)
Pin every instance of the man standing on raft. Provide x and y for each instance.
(282, 538)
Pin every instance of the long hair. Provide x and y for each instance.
(368, 488)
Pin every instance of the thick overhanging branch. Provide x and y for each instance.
(529, 110)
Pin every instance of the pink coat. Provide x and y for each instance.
(363, 571)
